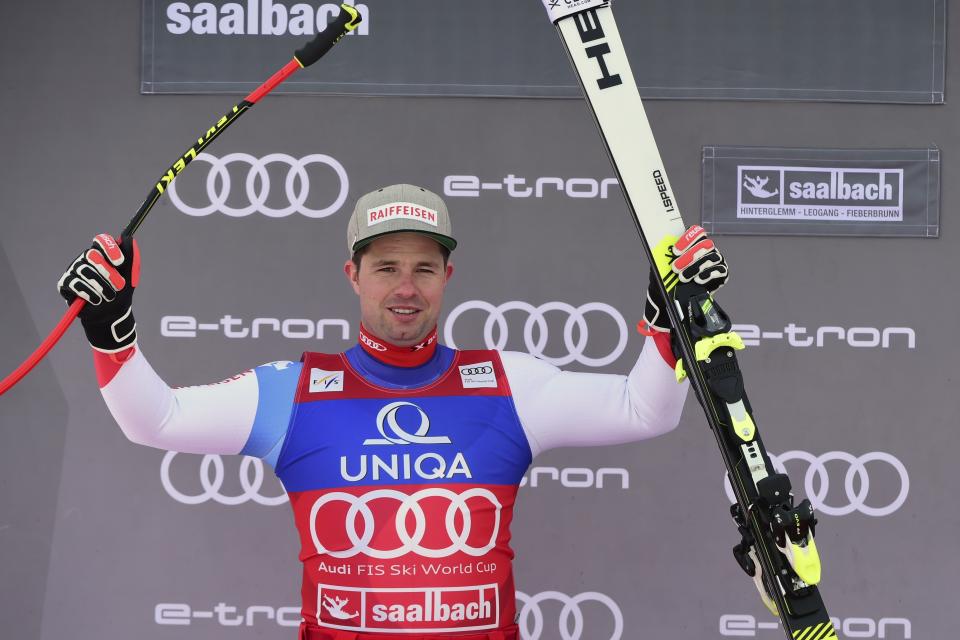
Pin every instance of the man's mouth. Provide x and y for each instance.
(404, 311)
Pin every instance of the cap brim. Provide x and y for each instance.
(446, 241)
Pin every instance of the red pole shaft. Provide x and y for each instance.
(44, 347)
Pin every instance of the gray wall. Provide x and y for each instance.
(90, 541)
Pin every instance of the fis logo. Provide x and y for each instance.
(325, 381)
(819, 193)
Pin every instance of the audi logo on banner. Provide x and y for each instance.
(360, 531)
(227, 187)
(212, 477)
(816, 481)
(536, 332)
(582, 617)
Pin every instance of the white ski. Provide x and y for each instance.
(776, 548)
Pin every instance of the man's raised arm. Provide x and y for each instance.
(569, 409)
(563, 409)
(243, 414)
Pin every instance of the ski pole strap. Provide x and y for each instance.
(348, 20)
(560, 9)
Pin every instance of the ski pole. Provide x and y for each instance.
(346, 21)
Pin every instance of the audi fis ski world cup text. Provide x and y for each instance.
(240, 184)
(473, 567)
(257, 17)
(589, 615)
(820, 193)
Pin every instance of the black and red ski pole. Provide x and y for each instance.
(346, 21)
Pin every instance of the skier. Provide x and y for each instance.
(401, 457)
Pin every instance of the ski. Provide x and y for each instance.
(777, 547)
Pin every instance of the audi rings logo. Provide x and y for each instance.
(576, 333)
(816, 481)
(571, 625)
(409, 505)
(212, 479)
(476, 371)
(257, 187)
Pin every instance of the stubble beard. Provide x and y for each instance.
(389, 329)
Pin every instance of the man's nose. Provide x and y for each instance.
(405, 288)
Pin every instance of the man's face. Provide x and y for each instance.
(400, 283)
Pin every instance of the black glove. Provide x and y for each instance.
(692, 258)
(105, 276)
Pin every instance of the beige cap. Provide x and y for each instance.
(399, 207)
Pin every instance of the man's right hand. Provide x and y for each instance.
(105, 276)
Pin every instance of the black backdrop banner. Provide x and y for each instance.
(856, 50)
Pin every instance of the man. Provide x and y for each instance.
(401, 457)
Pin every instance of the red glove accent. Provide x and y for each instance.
(689, 237)
(110, 248)
(106, 269)
(694, 253)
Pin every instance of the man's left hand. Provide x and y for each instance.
(692, 258)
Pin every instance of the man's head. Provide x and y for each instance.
(399, 207)
(400, 240)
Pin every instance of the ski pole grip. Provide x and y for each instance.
(346, 21)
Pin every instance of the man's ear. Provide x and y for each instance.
(353, 275)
